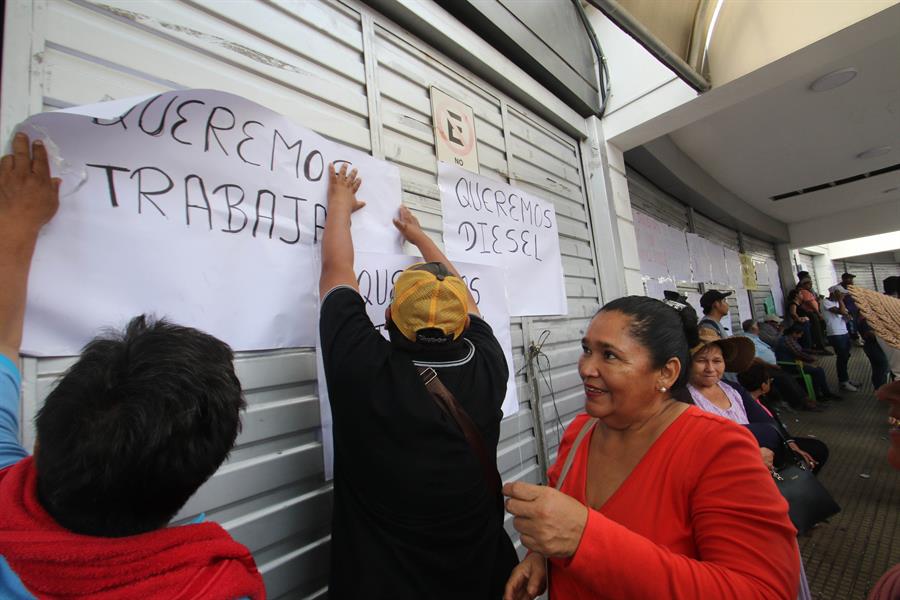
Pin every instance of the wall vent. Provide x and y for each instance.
(836, 183)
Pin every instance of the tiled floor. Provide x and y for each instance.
(847, 555)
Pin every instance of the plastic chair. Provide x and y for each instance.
(801, 373)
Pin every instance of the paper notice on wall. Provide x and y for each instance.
(196, 205)
(651, 246)
(745, 311)
(493, 223)
(678, 257)
(656, 288)
(693, 299)
(701, 271)
(376, 273)
(748, 271)
(733, 268)
(716, 254)
(775, 285)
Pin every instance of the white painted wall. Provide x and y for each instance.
(642, 87)
(885, 242)
(847, 225)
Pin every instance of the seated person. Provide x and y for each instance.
(770, 329)
(784, 387)
(126, 437)
(757, 381)
(788, 350)
(710, 392)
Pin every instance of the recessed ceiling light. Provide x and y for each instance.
(834, 79)
(873, 152)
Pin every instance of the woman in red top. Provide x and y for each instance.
(662, 499)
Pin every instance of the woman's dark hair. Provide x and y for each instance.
(135, 427)
(792, 294)
(755, 376)
(666, 332)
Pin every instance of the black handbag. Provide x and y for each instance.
(808, 500)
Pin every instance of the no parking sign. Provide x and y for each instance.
(454, 131)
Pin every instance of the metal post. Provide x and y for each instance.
(537, 406)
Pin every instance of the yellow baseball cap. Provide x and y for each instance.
(427, 296)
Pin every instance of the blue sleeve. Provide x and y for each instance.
(11, 451)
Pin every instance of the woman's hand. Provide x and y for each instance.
(549, 521)
(528, 580)
(768, 458)
(804, 455)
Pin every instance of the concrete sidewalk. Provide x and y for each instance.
(846, 556)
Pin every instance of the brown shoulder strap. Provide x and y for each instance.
(448, 403)
(570, 457)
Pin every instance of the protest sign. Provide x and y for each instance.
(376, 274)
(493, 223)
(197, 205)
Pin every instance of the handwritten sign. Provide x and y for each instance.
(493, 223)
(198, 205)
(376, 274)
(651, 246)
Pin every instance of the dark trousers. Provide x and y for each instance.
(878, 361)
(841, 345)
(787, 390)
(818, 336)
(820, 382)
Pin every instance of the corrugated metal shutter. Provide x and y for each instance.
(760, 251)
(864, 276)
(271, 494)
(883, 271)
(715, 232)
(652, 201)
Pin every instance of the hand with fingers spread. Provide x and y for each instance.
(29, 196)
(548, 521)
(528, 580)
(342, 188)
(408, 226)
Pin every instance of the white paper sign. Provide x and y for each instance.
(775, 284)
(716, 255)
(493, 223)
(376, 274)
(196, 205)
(651, 246)
(677, 255)
(743, 301)
(733, 267)
(700, 267)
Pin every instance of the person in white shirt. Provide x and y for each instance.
(836, 317)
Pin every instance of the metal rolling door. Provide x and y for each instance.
(270, 494)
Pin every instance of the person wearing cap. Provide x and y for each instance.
(836, 318)
(770, 329)
(852, 323)
(415, 513)
(715, 308)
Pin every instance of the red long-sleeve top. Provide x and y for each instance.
(698, 517)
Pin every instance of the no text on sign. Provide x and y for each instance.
(454, 131)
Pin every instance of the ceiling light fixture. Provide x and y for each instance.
(834, 79)
(874, 152)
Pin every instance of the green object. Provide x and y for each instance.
(769, 303)
(807, 379)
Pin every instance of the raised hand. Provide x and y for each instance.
(342, 188)
(29, 197)
(408, 225)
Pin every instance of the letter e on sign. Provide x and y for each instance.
(454, 131)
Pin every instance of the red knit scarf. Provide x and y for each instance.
(186, 562)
